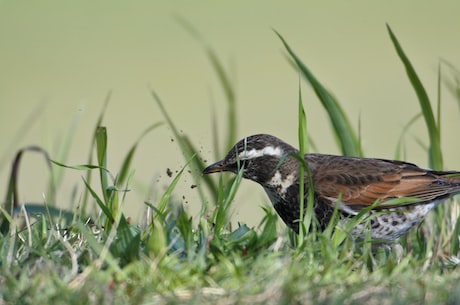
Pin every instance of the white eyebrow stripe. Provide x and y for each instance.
(266, 151)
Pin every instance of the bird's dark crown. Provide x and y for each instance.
(259, 155)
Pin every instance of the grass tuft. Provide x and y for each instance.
(345, 134)
(95, 255)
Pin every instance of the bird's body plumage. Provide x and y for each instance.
(349, 182)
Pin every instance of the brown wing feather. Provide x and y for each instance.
(360, 182)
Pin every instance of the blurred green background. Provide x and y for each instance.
(59, 60)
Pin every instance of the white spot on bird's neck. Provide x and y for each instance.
(266, 151)
(281, 185)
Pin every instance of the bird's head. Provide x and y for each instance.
(259, 156)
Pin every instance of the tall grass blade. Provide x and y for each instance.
(82, 167)
(434, 153)
(189, 152)
(6, 219)
(224, 79)
(229, 91)
(306, 215)
(91, 149)
(199, 165)
(438, 110)
(453, 85)
(455, 240)
(268, 233)
(400, 151)
(63, 152)
(336, 236)
(168, 193)
(105, 209)
(222, 210)
(110, 193)
(101, 149)
(348, 140)
(123, 174)
(126, 245)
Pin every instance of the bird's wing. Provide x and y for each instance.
(361, 182)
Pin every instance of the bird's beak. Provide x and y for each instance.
(215, 168)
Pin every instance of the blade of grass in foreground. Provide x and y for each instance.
(225, 200)
(305, 222)
(452, 85)
(435, 155)
(400, 151)
(190, 153)
(101, 144)
(167, 195)
(348, 140)
(91, 149)
(63, 152)
(227, 87)
(107, 212)
(229, 91)
(123, 174)
(110, 193)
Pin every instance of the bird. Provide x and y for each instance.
(347, 184)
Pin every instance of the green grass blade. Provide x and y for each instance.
(222, 210)
(229, 91)
(189, 152)
(268, 224)
(126, 245)
(336, 236)
(455, 247)
(438, 103)
(348, 140)
(168, 193)
(224, 80)
(123, 174)
(198, 164)
(91, 149)
(302, 134)
(399, 151)
(63, 152)
(304, 219)
(435, 155)
(6, 220)
(302, 126)
(101, 146)
(107, 212)
(398, 202)
(453, 85)
(82, 167)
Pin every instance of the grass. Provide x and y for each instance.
(84, 257)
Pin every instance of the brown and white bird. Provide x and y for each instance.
(349, 182)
